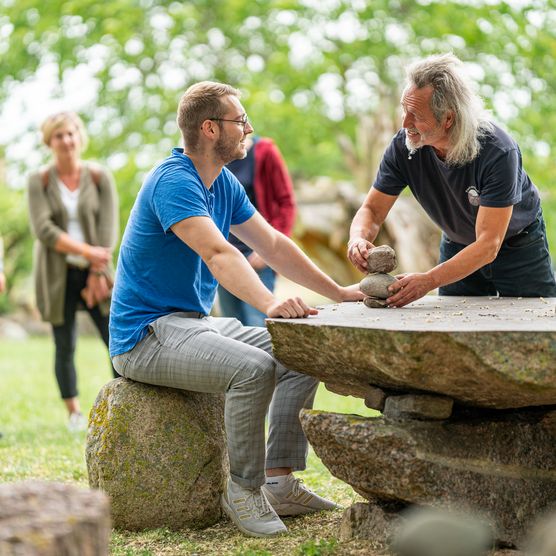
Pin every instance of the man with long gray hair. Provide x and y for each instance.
(466, 172)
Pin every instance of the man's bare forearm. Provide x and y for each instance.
(286, 258)
(468, 260)
(232, 270)
(364, 225)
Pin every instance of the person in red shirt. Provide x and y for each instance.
(264, 176)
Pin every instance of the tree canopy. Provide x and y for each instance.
(312, 72)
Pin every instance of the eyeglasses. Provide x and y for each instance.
(242, 123)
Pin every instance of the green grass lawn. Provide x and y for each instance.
(36, 444)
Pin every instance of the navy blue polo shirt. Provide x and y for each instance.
(452, 195)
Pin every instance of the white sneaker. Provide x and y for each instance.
(250, 511)
(293, 498)
(77, 422)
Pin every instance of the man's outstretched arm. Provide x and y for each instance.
(232, 270)
(366, 224)
(490, 230)
(285, 257)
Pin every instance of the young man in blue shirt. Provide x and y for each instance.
(174, 252)
(466, 172)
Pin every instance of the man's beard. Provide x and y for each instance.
(227, 150)
(413, 146)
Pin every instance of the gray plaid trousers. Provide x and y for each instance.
(220, 355)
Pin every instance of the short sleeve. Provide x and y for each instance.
(500, 179)
(390, 178)
(176, 198)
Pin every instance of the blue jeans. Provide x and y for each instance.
(231, 306)
(521, 269)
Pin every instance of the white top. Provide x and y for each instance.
(75, 231)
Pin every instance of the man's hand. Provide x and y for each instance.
(358, 251)
(292, 308)
(351, 293)
(256, 261)
(409, 288)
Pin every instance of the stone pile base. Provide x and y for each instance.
(501, 466)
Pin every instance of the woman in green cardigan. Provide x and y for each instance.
(73, 210)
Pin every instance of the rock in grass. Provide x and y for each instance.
(376, 285)
(438, 532)
(370, 520)
(381, 259)
(159, 453)
(47, 519)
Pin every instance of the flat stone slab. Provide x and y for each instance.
(502, 466)
(480, 351)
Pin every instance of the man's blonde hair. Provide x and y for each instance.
(199, 103)
(55, 121)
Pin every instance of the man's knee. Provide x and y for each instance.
(256, 372)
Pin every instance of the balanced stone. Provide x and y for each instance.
(374, 397)
(381, 259)
(376, 285)
(503, 466)
(159, 453)
(48, 519)
(375, 303)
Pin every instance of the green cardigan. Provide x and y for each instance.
(97, 208)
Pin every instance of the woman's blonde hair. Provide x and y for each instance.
(53, 122)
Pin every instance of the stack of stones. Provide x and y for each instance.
(380, 262)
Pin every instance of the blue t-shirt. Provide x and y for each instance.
(157, 273)
(451, 195)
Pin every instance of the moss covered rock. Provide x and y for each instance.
(481, 352)
(159, 453)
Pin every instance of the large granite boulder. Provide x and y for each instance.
(502, 465)
(48, 519)
(483, 352)
(159, 453)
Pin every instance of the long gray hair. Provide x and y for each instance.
(453, 91)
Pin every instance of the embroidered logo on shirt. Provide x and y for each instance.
(473, 196)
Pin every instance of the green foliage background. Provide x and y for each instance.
(309, 70)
